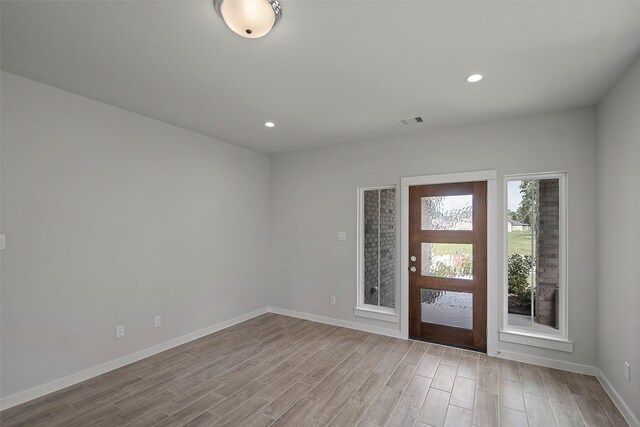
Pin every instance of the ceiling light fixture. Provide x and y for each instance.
(474, 78)
(249, 18)
(269, 124)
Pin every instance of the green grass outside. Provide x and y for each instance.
(519, 242)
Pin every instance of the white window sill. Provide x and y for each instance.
(378, 314)
(536, 340)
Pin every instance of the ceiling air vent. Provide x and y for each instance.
(411, 121)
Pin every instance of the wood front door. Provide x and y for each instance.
(448, 264)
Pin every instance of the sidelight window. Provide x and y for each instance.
(377, 265)
(535, 255)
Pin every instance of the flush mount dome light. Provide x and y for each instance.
(249, 18)
(473, 78)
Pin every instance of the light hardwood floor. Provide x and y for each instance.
(282, 371)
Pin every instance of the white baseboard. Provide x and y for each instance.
(549, 363)
(617, 400)
(55, 385)
(337, 322)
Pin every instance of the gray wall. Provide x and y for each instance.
(619, 235)
(112, 218)
(313, 195)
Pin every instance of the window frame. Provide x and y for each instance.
(527, 335)
(369, 310)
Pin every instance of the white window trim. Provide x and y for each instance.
(523, 335)
(369, 310)
(533, 339)
(493, 253)
(377, 313)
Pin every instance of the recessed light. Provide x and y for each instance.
(269, 124)
(474, 78)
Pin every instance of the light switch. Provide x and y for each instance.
(342, 235)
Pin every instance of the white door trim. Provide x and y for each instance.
(491, 177)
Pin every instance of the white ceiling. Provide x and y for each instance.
(331, 71)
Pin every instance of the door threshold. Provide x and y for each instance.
(461, 347)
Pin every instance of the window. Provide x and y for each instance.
(535, 302)
(377, 267)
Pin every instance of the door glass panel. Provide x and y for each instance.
(447, 212)
(451, 260)
(447, 308)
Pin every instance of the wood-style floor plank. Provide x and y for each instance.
(276, 370)
(513, 418)
(468, 367)
(539, 412)
(592, 412)
(286, 400)
(383, 406)
(370, 388)
(458, 417)
(486, 410)
(488, 380)
(464, 393)
(435, 406)
(297, 414)
(511, 395)
(403, 416)
(563, 419)
(531, 379)
(428, 365)
(451, 356)
(202, 420)
(560, 397)
(509, 370)
(445, 377)
(350, 415)
(416, 391)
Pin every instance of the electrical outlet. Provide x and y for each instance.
(157, 321)
(119, 332)
(333, 300)
(627, 371)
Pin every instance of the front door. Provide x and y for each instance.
(448, 264)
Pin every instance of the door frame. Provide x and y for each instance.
(493, 305)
